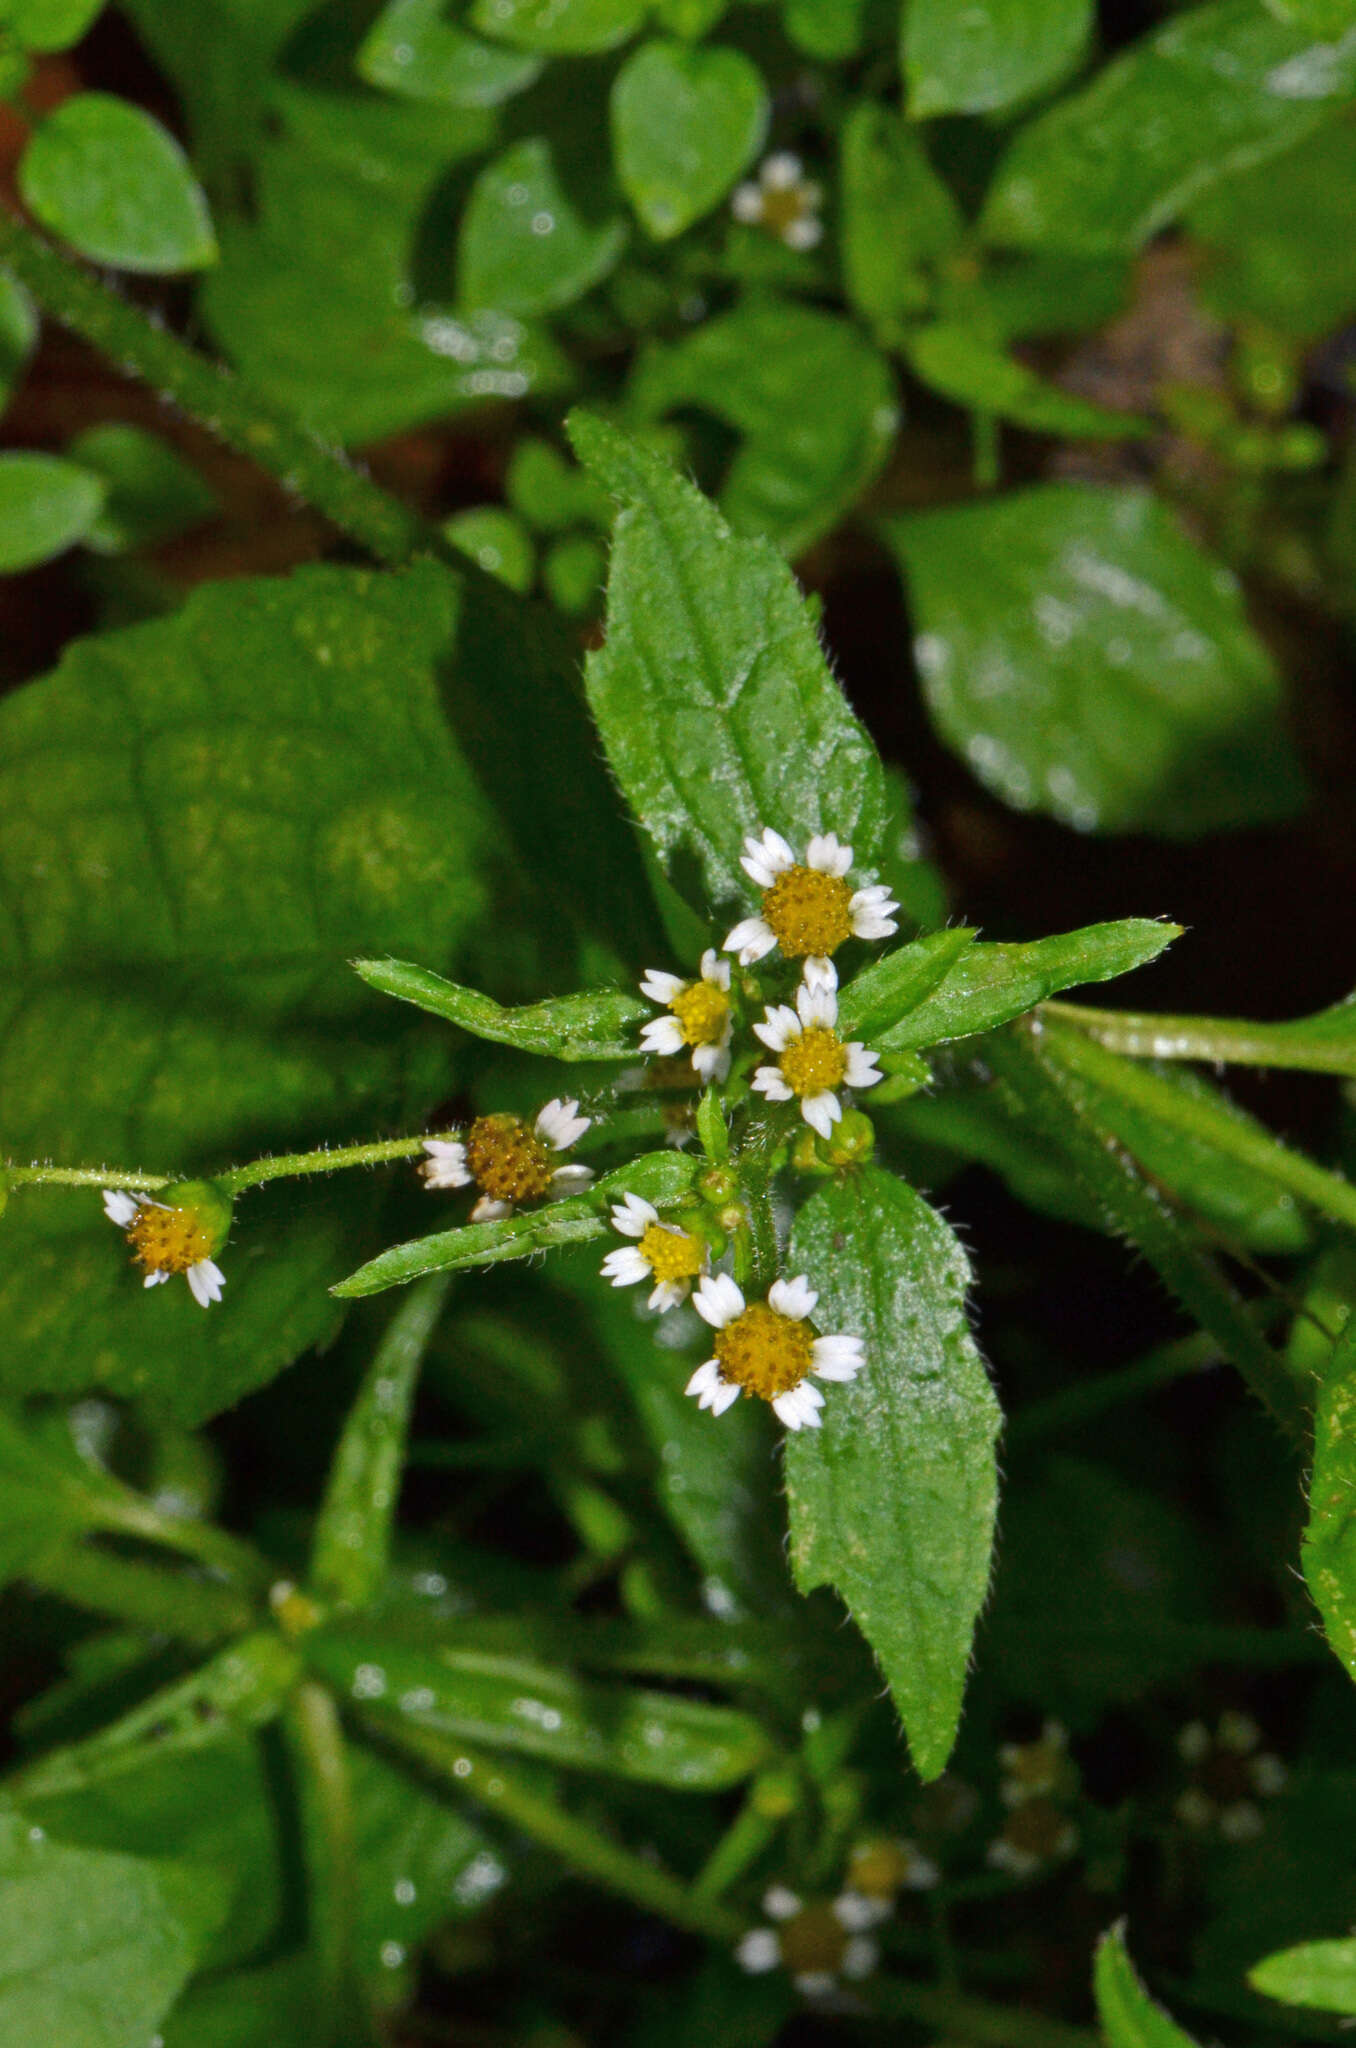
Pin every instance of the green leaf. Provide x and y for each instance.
(661, 1177)
(1317, 1973)
(1130, 2018)
(414, 50)
(573, 572)
(1328, 1552)
(420, 1864)
(499, 541)
(1102, 668)
(110, 180)
(714, 701)
(351, 1546)
(898, 218)
(529, 244)
(271, 2006)
(43, 25)
(563, 28)
(814, 402)
(986, 985)
(1276, 244)
(550, 493)
(1108, 166)
(685, 123)
(508, 1703)
(95, 1948)
(886, 991)
(153, 494)
(976, 59)
(601, 1024)
(1324, 1043)
(18, 333)
(827, 29)
(972, 371)
(46, 506)
(892, 1501)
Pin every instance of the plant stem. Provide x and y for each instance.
(83, 1177)
(1226, 1041)
(213, 396)
(327, 1159)
(170, 1604)
(316, 1739)
(974, 2019)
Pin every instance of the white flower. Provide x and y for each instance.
(782, 200)
(446, 1165)
(166, 1240)
(1036, 1832)
(699, 1016)
(818, 1942)
(813, 1062)
(767, 1349)
(671, 1257)
(509, 1161)
(809, 908)
(1032, 1769)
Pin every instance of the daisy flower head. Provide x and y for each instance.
(1230, 1772)
(665, 1254)
(768, 1348)
(813, 1062)
(782, 200)
(880, 1868)
(818, 1942)
(175, 1231)
(809, 906)
(698, 1016)
(1032, 1770)
(510, 1160)
(1036, 1833)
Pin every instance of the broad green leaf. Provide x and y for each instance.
(600, 1025)
(509, 1703)
(94, 1948)
(898, 218)
(561, 28)
(1328, 1552)
(414, 50)
(1321, 1974)
(1101, 668)
(18, 333)
(195, 865)
(153, 493)
(42, 25)
(714, 701)
(499, 541)
(974, 59)
(661, 1177)
(109, 179)
(528, 242)
(986, 985)
(968, 368)
(219, 55)
(892, 1501)
(351, 1547)
(1130, 2018)
(887, 990)
(1212, 90)
(1277, 250)
(1042, 292)
(47, 1493)
(46, 506)
(813, 400)
(685, 123)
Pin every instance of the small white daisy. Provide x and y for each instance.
(768, 1349)
(1036, 1832)
(880, 1868)
(782, 200)
(813, 1062)
(809, 907)
(671, 1257)
(818, 1942)
(177, 1236)
(1033, 1769)
(699, 1016)
(509, 1160)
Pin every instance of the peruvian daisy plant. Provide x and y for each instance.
(782, 201)
(663, 1253)
(813, 1063)
(818, 1942)
(770, 1349)
(809, 907)
(509, 1160)
(699, 1016)
(175, 1232)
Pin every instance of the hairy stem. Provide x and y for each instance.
(326, 1159)
(83, 1177)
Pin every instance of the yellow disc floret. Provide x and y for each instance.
(701, 1009)
(764, 1352)
(508, 1160)
(879, 1869)
(810, 912)
(813, 1942)
(165, 1240)
(672, 1254)
(814, 1061)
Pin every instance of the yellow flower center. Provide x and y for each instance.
(1035, 1766)
(813, 1062)
(168, 1240)
(783, 206)
(701, 1009)
(509, 1161)
(808, 911)
(672, 1254)
(813, 1942)
(764, 1352)
(878, 1869)
(1037, 1828)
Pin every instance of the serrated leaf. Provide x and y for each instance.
(109, 179)
(46, 505)
(414, 50)
(968, 368)
(1328, 1552)
(714, 701)
(563, 28)
(152, 493)
(1321, 1974)
(1101, 668)
(977, 59)
(528, 242)
(1130, 2018)
(598, 1024)
(813, 401)
(685, 123)
(898, 218)
(892, 1501)
(1212, 90)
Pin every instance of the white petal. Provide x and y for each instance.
(757, 870)
(778, 173)
(725, 1396)
(795, 1298)
(780, 1902)
(817, 1004)
(488, 1211)
(820, 972)
(569, 1180)
(445, 1166)
(714, 969)
(758, 1951)
(559, 1123)
(775, 850)
(875, 896)
(838, 1358)
(717, 1300)
(747, 203)
(768, 1081)
(855, 1912)
(805, 233)
(711, 1061)
(120, 1208)
(798, 1409)
(750, 939)
(862, 1068)
(705, 1379)
(828, 855)
(661, 987)
(821, 1112)
(205, 1282)
(777, 1026)
(873, 924)
(669, 1294)
(815, 1983)
(633, 1215)
(859, 1957)
(663, 1035)
(155, 1279)
(625, 1267)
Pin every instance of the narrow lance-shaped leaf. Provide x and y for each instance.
(893, 986)
(892, 1501)
(597, 1024)
(1321, 1974)
(712, 695)
(1130, 2018)
(1328, 1553)
(1324, 1043)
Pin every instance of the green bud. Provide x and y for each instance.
(717, 1186)
(208, 1204)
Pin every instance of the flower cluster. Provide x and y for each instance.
(823, 1942)
(1037, 1778)
(782, 201)
(510, 1161)
(175, 1231)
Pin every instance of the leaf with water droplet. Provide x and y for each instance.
(685, 123)
(536, 234)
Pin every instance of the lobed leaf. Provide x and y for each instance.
(598, 1024)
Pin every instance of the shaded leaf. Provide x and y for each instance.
(499, 541)
(1276, 242)
(685, 123)
(18, 333)
(898, 218)
(975, 59)
(109, 179)
(527, 244)
(968, 368)
(153, 493)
